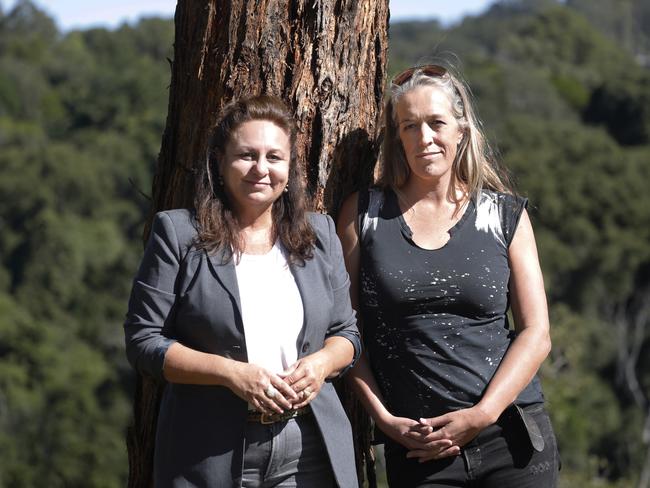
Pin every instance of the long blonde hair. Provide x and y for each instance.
(475, 166)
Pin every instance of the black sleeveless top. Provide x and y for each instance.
(435, 327)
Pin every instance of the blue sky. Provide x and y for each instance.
(72, 14)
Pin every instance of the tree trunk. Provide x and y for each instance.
(325, 58)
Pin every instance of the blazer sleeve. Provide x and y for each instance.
(344, 321)
(152, 298)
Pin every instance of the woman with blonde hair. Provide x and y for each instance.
(437, 253)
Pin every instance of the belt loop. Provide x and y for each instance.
(270, 418)
(266, 419)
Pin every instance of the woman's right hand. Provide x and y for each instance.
(404, 431)
(267, 392)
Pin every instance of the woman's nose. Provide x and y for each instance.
(426, 134)
(261, 165)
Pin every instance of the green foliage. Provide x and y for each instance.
(410, 43)
(623, 106)
(56, 423)
(590, 207)
(627, 22)
(563, 41)
(572, 91)
(81, 116)
(583, 348)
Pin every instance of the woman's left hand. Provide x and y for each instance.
(306, 376)
(460, 427)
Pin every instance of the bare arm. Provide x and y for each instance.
(337, 354)
(533, 342)
(360, 377)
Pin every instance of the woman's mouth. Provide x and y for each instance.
(428, 154)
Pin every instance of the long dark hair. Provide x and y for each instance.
(217, 224)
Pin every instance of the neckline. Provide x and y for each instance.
(275, 251)
(408, 233)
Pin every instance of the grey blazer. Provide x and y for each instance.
(183, 294)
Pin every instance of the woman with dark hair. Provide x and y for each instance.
(241, 304)
(436, 254)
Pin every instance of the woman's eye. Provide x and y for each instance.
(246, 155)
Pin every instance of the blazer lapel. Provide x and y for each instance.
(226, 275)
(300, 274)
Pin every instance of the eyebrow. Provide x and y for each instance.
(252, 148)
(426, 117)
(408, 119)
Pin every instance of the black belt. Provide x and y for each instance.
(270, 418)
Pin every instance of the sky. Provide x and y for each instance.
(82, 14)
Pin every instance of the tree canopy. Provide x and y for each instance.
(564, 92)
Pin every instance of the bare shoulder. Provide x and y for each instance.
(523, 231)
(522, 252)
(347, 220)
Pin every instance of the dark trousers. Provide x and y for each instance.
(502, 456)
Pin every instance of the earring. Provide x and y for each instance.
(220, 180)
(286, 188)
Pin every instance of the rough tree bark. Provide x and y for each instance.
(326, 58)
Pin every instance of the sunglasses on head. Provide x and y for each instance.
(427, 69)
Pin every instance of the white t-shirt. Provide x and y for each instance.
(271, 309)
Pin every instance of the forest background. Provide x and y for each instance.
(564, 92)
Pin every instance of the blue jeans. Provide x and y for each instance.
(289, 454)
(501, 456)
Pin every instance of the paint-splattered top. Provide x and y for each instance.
(435, 321)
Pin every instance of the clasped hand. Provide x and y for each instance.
(275, 393)
(306, 377)
(437, 437)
